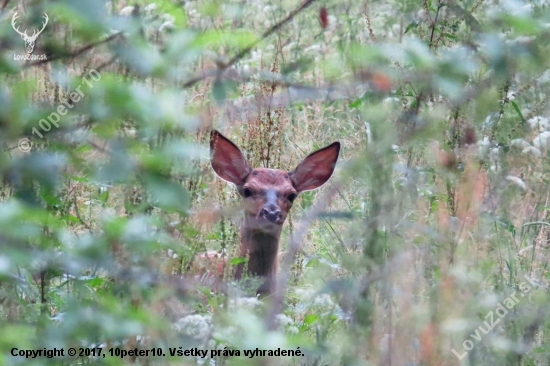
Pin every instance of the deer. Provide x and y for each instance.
(267, 197)
(29, 40)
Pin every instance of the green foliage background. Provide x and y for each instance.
(437, 211)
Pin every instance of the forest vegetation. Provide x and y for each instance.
(427, 246)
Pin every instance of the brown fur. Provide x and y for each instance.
(267, 199)
(261, 179)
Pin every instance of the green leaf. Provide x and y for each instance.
(449, 35)
(79, 179)
(103, 196)
(412, 25)
(507, 225)
(310, 318)
(94, 281)
(236, 260)
(356, 103)
(72, 218)
(514, 104)
(313, 262)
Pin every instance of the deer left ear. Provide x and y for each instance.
(316, 168)
(227, 159)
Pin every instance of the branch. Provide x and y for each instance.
(434, 23)
(75, 53)
(211, 72)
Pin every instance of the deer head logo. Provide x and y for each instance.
(29, 40)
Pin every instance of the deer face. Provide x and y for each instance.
(268, 194)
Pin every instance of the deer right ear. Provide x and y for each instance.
(227, 159)
(316, 168)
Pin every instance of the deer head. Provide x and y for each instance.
(29, 40)
(268, 195)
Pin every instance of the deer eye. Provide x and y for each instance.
(247, 193)
(291, 197)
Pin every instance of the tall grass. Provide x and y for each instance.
(436, 217)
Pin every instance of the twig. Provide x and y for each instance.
(439, 6)
(76, 53)
(212, 72)
(419, 96)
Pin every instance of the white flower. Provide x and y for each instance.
(520, 183)
(484, 142)
(293, 329)
(4, 264)
(494, 154)
(150, 8)
(516, 7)
(541, 141)
(532, 150)
(495, 168)
(166, 26)
(483, 146)
(545, 77)
(225, 335)
(521, 143)
(324, 300)
(538, 122)
(304, 294)
(167, 18)
(126, 11)
(396, 28)
(283, 320)
(314, 47)
(194, 325)
(391, 102)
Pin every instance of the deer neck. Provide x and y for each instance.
(260, 247)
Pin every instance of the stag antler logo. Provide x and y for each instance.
(29, 40)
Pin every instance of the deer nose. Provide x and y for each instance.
(271, 213)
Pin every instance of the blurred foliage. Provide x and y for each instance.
(438, 209)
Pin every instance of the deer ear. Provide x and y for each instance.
(316, 168)
(227, 159)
